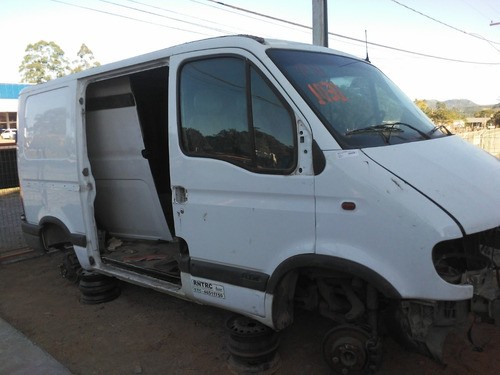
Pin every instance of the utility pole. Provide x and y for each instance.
(320, 22)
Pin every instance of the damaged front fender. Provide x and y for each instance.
(423, 326)
(473, 260)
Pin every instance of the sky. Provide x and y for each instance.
(461, 48)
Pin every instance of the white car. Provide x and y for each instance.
(9, 134)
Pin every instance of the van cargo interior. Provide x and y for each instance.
(126, 130)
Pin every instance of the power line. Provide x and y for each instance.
(263, 16)
(496, 10)
(163, 16)
(242, 14)
(358, 40)
(417, 53)
(174, 12)
(129, 18)
(445, 24)
(259, 14)
(476, 9)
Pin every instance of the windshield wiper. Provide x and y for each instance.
(436, 128)
(389, 127)
(379, 129)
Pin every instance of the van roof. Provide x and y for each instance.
(248, 42)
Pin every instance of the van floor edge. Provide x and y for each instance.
(152, 258)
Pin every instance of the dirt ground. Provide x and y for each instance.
(146, 332)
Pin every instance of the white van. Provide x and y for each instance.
(261, 176)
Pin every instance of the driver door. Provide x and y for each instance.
(242, 186)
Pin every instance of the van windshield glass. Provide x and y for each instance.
(358, 104)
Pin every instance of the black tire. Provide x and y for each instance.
(70, 267)
(96, 288)
(252, 345)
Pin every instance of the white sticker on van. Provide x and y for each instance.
(347, 154)
(208, 288)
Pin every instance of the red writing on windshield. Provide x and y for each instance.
(308, 70)
(326, 92)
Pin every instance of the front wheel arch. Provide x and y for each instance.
(283, 281)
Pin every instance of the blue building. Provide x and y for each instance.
(9, 92)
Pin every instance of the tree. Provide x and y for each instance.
(422, 104)
(46, 60)
(86, 60)
(43, 61)
(496, 119)
(440, 115)
(485, 113)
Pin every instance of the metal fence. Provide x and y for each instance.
(487, 139)
(12, 245)
(8, 167)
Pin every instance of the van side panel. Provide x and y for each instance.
(127, 203)
(48, 166)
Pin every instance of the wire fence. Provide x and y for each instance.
(12, 242)
(8, 167)
(488, 140)
(11, 237)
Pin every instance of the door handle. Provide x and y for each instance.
(180, 194)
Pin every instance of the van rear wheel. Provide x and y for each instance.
(70, 267)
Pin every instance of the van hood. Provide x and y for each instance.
(461, 178)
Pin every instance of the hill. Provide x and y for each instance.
(465, 106)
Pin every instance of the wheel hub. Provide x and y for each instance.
(344, 349)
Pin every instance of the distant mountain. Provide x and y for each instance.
(465, 106)
(461, 104)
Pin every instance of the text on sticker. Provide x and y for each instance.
(208, 289)
(326, 92)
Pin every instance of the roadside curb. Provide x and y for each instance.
(19, 355)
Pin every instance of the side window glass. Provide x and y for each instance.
(273, 127)
(213, 109)
(228, 111)
(48, 133)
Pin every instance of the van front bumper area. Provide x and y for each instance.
(474, 260)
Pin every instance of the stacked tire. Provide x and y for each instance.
(252, 346)
(96, 288)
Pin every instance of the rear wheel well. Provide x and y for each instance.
(54, 236)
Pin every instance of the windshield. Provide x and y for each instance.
(358, 104)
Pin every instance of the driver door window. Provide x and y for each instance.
(228, 111)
